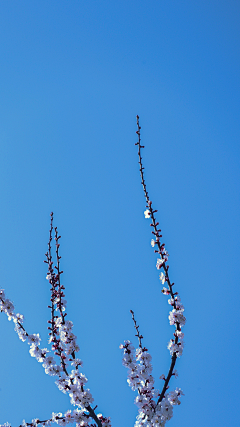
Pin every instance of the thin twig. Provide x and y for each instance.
(140, 337)
(60, 288)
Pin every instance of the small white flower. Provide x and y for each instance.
(7, 306)
(56, 416)
(147, 213)
(159, 264)
(50, 370)
(175, 348)
(176, 316)
(35, 351)
(153, 243)
(77, 362)
(58, 370)
(48, 362)
(34, 339)
(162, 278)
(173, 396)
(68, 416)
(179, 334)
(18, 318)
(165, 291)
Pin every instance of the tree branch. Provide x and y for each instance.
(160, 251)
(140, 337)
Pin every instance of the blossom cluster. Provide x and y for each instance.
(50, 366)
(72, 383)
(176, 316)
(63, 346)
(77, 416)
(152, 412)
(7, 307)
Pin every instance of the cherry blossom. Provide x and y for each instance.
(160, 262)
(147, 213)
(153, 242)
(162, 278)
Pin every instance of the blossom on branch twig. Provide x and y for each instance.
(155, 407)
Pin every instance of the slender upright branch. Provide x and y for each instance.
(55, 283)
(59, 272)
(51, 277)
(161, 251)
(140, 337)
(57, 294)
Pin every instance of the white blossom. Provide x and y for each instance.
(165, 291)
(175, 348)
(153, 242)
(48, 361)
(21, 332)
(147, 213)
(179, 334)
(77, 362)
(160, 262)
(173, 396)
(176, 316)
(55, 416)
(162, 278)
(51, 370)
(34, 339)
(165, 254)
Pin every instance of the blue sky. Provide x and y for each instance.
(73, 77)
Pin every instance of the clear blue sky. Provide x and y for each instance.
(73, 76)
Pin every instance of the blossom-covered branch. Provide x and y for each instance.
(155, 407)
(176, 316)
(64, 345)
(77, 415)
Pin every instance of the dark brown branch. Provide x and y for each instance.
(140, 337)
(57, 291)
(94, 416)
(50, 419)
(52, 275)
(60, 288)
(160, 246)
(55, 283)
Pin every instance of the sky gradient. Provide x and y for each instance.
(73, 77)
